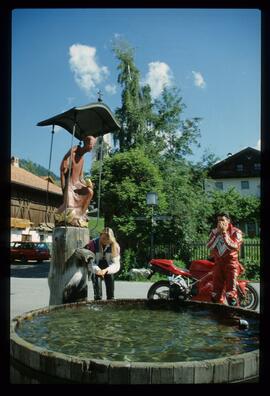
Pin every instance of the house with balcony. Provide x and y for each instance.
(242, 171)
(34, 200)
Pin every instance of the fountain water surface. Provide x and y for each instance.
(136, 341)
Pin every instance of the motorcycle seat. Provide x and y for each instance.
(169, 266)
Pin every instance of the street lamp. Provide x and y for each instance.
(152, 200)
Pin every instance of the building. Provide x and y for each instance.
(242, 171)
(34, 201)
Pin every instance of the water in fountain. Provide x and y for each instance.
(128, 333)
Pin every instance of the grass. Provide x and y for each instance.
(95, 226)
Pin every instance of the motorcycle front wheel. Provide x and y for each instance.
(159, 290)
(250, 300)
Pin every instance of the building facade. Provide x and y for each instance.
(34, 201)
(242, 171)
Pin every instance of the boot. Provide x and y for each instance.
(109, 282)
(97, 286)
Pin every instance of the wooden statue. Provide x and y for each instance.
(77, 192)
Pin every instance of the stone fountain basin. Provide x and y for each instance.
(36, 365)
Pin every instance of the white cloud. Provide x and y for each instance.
(110, 89)
(158, 77)
(198, 79)
(258, 145)
(87, 72)
(57, 128)
(117, 36)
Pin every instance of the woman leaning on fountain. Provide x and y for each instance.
(107, 262)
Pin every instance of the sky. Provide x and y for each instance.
(61, 58)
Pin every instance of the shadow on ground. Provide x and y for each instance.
(30, 269)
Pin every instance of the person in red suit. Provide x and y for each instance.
(224, 243)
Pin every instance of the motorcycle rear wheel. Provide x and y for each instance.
(159, 291)
(250, 300)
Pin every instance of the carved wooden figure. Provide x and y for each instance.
(77, 192)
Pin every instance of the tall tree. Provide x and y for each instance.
(155, 125)
(175, 135)
(159, 131)
(129, 115)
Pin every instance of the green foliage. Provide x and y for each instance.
(175, 136)
(241, 208)
(129, 115)
(252, 269)
(187, 205)
(154, 125)
(154, 142)
(95, 226)
(179, 263)
(128, 261)
(37, 169)
(127, 177)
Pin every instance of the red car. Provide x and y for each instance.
(25, 251)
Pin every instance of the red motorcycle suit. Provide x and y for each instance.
(224, 247)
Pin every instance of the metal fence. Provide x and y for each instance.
(250, 249)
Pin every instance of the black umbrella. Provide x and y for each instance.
(95, 119)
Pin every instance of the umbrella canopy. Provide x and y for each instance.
(94, 119)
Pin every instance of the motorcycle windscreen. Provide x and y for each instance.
(95, 119)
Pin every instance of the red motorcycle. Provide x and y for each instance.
(195, 283)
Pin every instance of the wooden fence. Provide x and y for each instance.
(250, 249)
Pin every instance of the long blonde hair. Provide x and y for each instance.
(112, 241)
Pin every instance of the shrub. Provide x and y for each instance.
(128, 261)
(252, 269)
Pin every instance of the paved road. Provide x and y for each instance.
(29, 287)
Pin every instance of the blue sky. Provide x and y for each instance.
(62, 57)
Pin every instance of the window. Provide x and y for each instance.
(244, 185)
(219, 185)
(239, 167)
(257, 166)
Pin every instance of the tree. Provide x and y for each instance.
(129, 115)
(175, 135)
(241, 208)
(127, 177)
(154, 131)
(187, 205)
(37, 169)
(157, 124)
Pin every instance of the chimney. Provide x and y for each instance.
(15, 161)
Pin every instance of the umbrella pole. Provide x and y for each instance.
(49, 171)
(69, 168)
(99, 183)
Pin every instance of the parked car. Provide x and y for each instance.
(25, 251)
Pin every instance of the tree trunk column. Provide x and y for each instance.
(62, 268)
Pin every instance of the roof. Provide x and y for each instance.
(50, 178)
(238, 165)
(23, 177)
